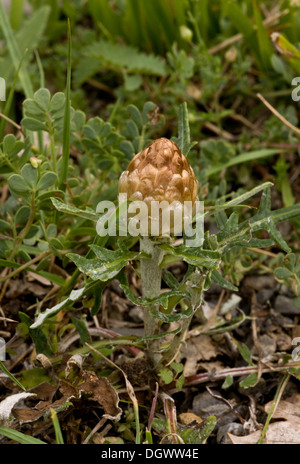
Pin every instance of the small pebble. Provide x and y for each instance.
(264, 295)
(136, 314)
(233, 427)
(285, 305)
(205, 405)
(267, 345)
(260, 282)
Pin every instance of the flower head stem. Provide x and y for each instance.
(151, 286)
(159, 175)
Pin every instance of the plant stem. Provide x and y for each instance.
(66, 127)
(275, 403)
(26, 265)
(26, 228)
(198, 379)
(18, 243)
(196, 289)
(53, 154)
(172, 351)
(142, 138)
(151, 286)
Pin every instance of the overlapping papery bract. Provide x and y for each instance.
(161, 173)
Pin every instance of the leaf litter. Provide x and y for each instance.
(79, 385)
(286, 428)
(82, 389)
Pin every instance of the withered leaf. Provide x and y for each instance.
(27, 415)
(199, 348)
(69, 390)
(278, 433)
(281, 432)
(44, 392)
(85, 383)
(187, 418)
(8, 403)
(101, 391)
(288, 409)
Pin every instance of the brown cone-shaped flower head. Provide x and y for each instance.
(160, 173)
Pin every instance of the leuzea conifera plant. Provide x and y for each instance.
(162, 185)
(161, 173)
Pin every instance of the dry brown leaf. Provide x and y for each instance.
(186, 418)
(102, 392)
(32, 276)
(171, 415)
(288, 409)
(44, 392)
(199, 348)
(211, 366)
(36, 289)
(278, 433)
(26, 415)
(88, 383)
(15, 289)
(6, 406)
(296, 331)
(75, 362)
(281, 432)
(282, 340)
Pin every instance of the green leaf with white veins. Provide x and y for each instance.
(168, 318)
(183, 140)
(264, 219)
(106, 266)
(162, 299)
(69, 209)
(195, 255)
(50, 312)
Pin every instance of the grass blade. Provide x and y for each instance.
(133, 22)
(243, 24)
(245, 196)
(14, 52)
(28, 36)
(243, 158)
(103, 13)
(276, 400)
(20, 437)
(11, 376)
(57, 429)
(202, 14)
(66, 129)
(16, 13)
(10, 98)
(264, 44)
(42, 85)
